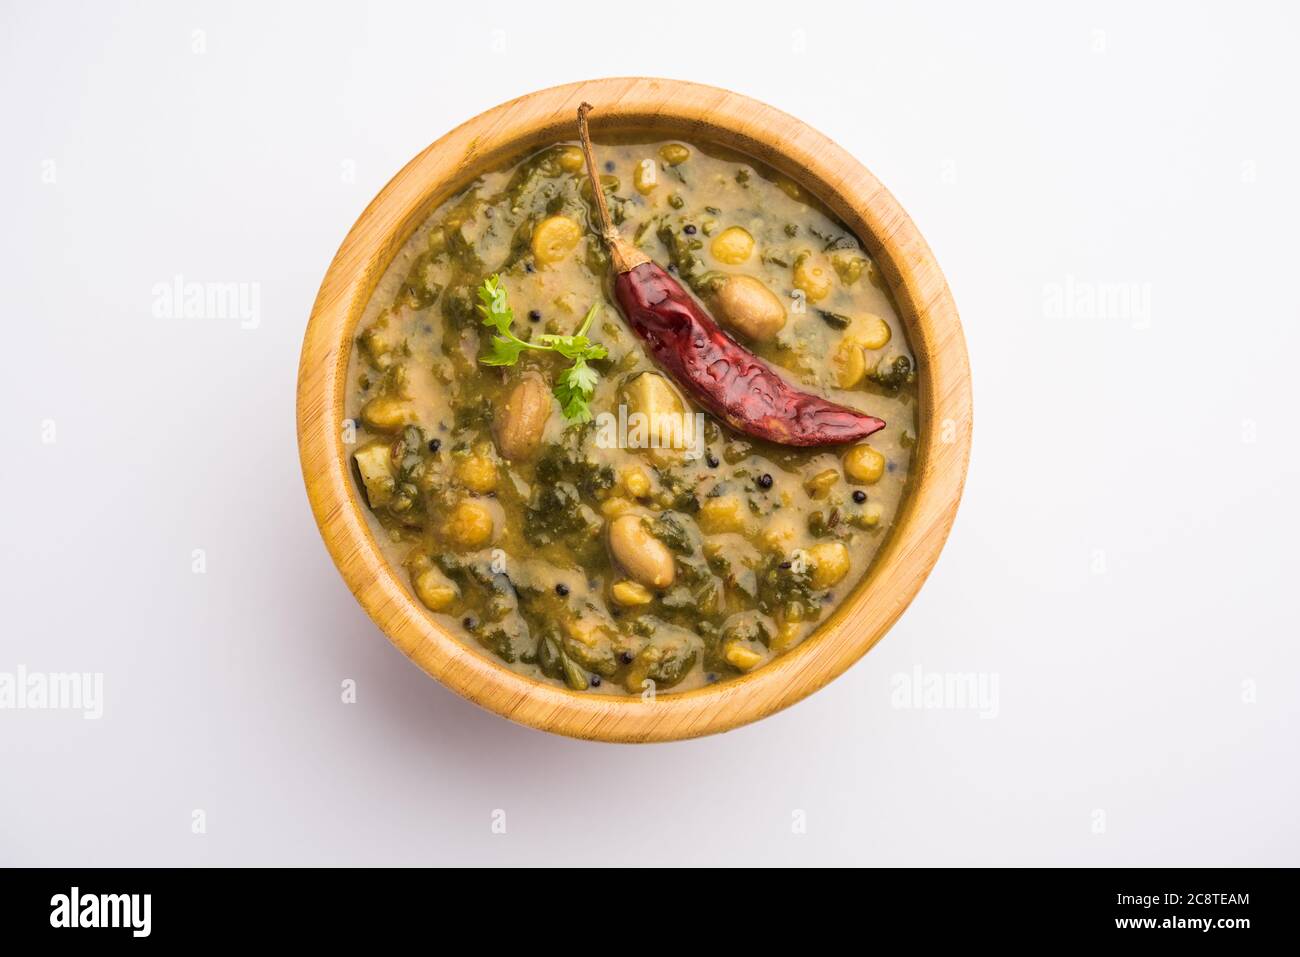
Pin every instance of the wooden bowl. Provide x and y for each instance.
(692, 112)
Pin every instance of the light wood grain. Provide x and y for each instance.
(693, 112)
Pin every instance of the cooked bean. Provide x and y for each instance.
(591, 643)
(554, 238)
(570, 159)
(476, 471)
(812, 277)
(786, 636)
(741, 656)
(646, 560)
(469, 525)
(780, 533)
(616, 505)
(434, 589)
(635, 481)
(820, 485)
(830, 563)
(386, 413)
(523, 418)
(746, 304)
(848, 363)
(732, 246)
(871, 331)
(608, 184)
(674, 154)
(630, 594)
(725, 513)
(848, 265)
(862, 463)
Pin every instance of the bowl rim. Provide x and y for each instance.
(690, 111)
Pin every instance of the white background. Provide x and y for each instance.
(1124, 560)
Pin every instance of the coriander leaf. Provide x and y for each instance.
(574, 388)
(493, 306)
(575, 408)
(505, 352)
(582, 377)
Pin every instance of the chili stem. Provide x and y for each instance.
(624, 255)
(602, 210)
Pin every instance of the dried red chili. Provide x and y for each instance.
(718, 372)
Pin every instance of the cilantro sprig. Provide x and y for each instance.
(575, 385)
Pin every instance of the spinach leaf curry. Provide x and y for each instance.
(564, 483)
